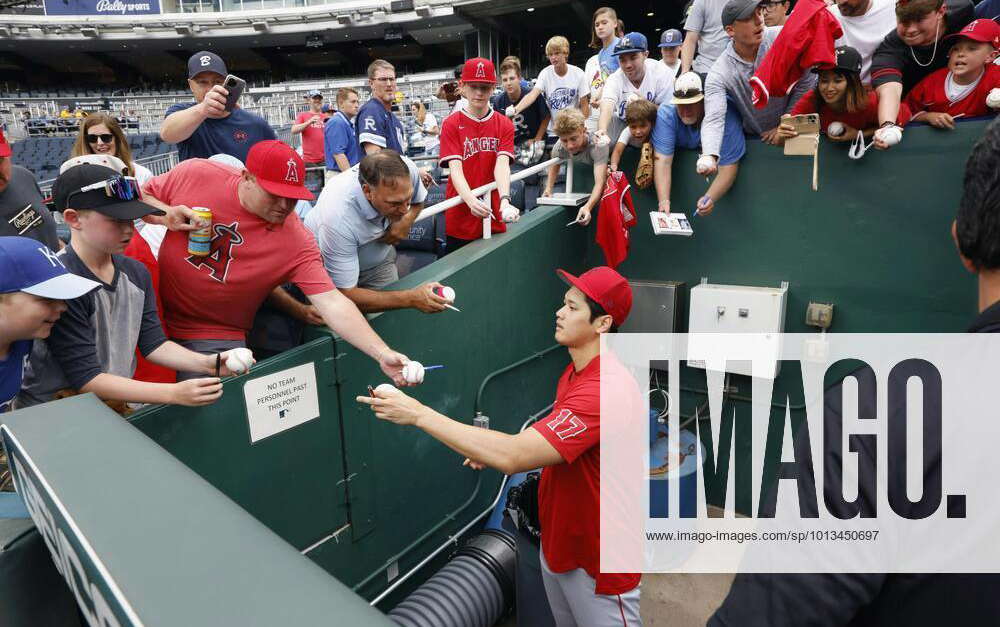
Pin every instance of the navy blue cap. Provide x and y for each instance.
(206, 61)
(671, 38)
(27, 265)
(315, 93)
(631, 42)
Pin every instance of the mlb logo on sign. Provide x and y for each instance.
(281, 414)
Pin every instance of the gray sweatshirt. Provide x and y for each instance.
(728, 84)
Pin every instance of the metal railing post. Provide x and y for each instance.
(487, 227)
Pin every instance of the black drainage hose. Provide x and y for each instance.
(472, 590)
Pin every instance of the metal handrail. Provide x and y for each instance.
(170, 158)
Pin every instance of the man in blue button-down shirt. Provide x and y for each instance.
(340, 142)
(351, 220)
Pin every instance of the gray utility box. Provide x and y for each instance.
(657, 307)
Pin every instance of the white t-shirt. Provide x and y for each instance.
(561, 92)
(675, 68)
(430, 122)
(142, 174)
(657, 86)
(460, 104)
(706, 20)
(595, 81)
(626, 138)
(865, 32)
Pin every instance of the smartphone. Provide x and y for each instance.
(806, 123)
(235, 86)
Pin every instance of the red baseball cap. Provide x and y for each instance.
(479, 70)
(605, 287)
(984, 30)
(279, 169)
(4, 146)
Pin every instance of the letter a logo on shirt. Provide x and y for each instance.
(480, 70)
(292, 176)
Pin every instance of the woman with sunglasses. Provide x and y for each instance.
(100, 134)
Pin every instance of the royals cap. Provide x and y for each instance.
(479, 70)
(27, 265)
(206, 61)
(605, 287)
(631, 42)
(279, 169)
(671, 38)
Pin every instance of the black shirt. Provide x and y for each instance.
(527, 122)
(23, 212)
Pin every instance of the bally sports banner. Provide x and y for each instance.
(101, 7)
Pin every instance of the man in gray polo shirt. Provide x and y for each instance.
(351, 220)
(728, 83)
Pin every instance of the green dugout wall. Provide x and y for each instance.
(367, 500)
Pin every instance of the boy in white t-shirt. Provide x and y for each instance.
(562, 84)
(639, 77)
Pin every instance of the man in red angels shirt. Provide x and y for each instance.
(477, 146)
(566, 443)
(258, 243)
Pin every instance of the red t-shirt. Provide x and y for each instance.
(569, 505)
(477, 143)
(312, 137)
(929, 94)
(859, 120)
(216, 297)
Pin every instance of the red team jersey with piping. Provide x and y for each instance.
(569, 505)
(929, 95)
(615, 218)
(217, 296)
(477, 144)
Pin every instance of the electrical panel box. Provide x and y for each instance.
(739, 309)
(656, 307)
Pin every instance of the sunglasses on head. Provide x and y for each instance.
(106, 138)
(117, 186)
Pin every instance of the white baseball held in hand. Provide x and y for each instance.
(993, 98)
(601, 138)
(890, 135)
(510, 213)
(447, 293)
(510, 111)
(629, 99)
(239, 360)
(386, 388)
(705, 164)
(836, 129)
(413, 372)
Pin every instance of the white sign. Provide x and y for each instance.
(281, 401)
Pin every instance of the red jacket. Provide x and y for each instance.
(615, 218)
(929, 94)
(806, 40)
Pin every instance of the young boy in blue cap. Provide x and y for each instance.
(670, 50)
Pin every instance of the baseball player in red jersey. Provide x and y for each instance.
(566, 444)
(477, 145)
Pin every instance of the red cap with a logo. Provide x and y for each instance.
(605, 287)
(4, 146)
(279, 169)
(479, 70)
(984, 30)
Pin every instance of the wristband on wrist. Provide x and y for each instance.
(505, 197)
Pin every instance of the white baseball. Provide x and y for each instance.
(993, 98)
(448, 294)
(239, 360)
(836, 129)
(510, 214)
(629, 99)
(413, 372)
(386, 388)
(891, 135)
(705, 164)
(510, 111)
(601, 139)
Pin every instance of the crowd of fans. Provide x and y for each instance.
(125, 310)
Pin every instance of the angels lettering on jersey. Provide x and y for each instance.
(220, 256)
(475, 145)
